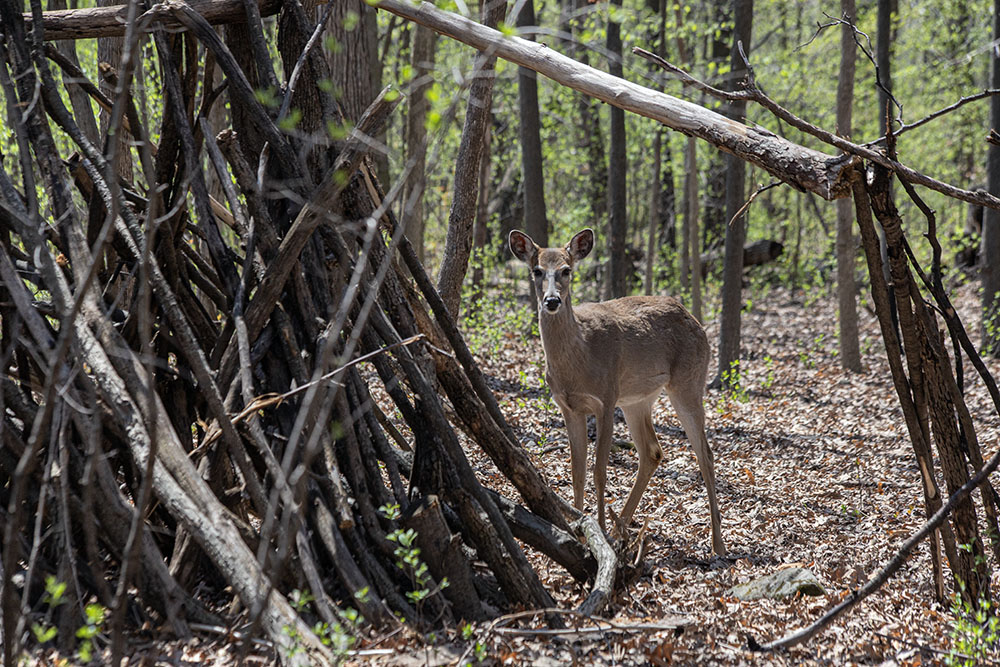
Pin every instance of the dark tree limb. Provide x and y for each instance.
(110, 21)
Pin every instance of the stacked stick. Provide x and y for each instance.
(183, 411)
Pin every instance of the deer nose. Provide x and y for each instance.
(552, 303)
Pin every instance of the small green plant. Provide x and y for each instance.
(408, 559)
(769, 376)
(94, 615)
(338, 637)
(390, 511)
(53, 597)
(732, 385)
(975, 633)
(478, 650)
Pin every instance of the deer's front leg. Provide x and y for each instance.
(605, 428)
(576, 429)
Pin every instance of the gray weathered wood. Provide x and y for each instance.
(94, 22)
(801, 167)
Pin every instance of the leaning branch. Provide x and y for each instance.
(110, 21)
(803, 168)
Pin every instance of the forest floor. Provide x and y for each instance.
(814, 468)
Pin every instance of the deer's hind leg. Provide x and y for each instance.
(691, 412)
(639, 418)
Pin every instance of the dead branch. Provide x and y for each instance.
(110, 21)
(801, 167)
(752, 92)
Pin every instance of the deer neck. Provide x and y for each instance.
(561, 337)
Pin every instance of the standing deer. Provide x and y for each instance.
(621, 352)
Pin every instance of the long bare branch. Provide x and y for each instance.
(110, 21)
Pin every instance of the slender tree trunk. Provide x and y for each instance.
(617, 221)
(535, 221)
(732, 273)
(423, 42)
(82, 110)
(654, 218)
(353, 27)
(656, 189)
(109, 50)
(689, 236)
(714, 208)
(458, 244)
(479, 228)
(883, 61)
(590, 139)
(691, 223)
(990, 271)
(850, 355)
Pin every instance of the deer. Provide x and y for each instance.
(621, 352)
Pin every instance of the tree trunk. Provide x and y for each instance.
(991, 220)
(656, 203)
(691, 222)
(714, 203)
(850, 354)
(422, 47)
(480, 228)
(533, 178)
(732, 272)
(458, 244)
(589, 134)
(109, 50)
(654, 218)
(619, 273)
(354, 62)
(886, 112)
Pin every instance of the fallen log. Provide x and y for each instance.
(802, 168)
(758, 252)
(92, 22)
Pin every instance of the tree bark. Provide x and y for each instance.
(533, 179)
(354, 63)
(990, 271)
(654, 218)
(691, 216)
(589, 134)
(713, 209)
(732, 272)
(458, 244)
(619, 273)
(423, 43)
(883, 63)
(109, 50)
(850, 354)
(109, 21)
(656, 187)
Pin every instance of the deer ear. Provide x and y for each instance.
(581, 244)
(522, 246)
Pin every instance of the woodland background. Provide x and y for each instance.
(244, 416)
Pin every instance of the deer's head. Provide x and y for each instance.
(551, 268)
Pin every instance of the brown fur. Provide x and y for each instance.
(622, 353)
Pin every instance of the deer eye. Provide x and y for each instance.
(566, 272)
(537, 272)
